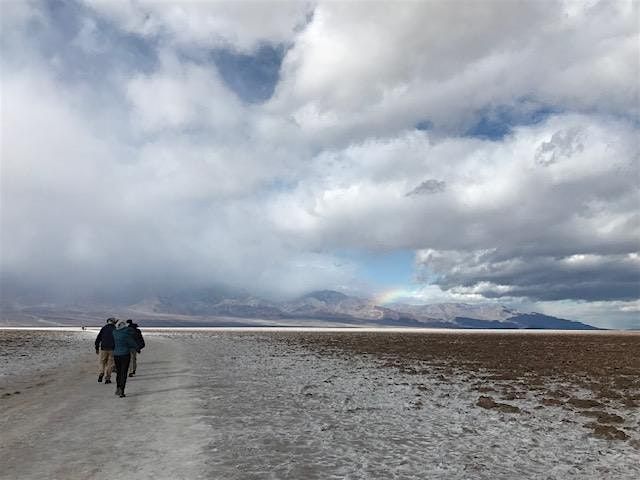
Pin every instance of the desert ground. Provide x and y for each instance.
(289, 404)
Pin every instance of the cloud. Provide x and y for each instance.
(532, 217)
(429, 186)
(360, 68)
(192, 96)
(562, 144)
(578, 277)
(154, 186)
(80, 212)
(607, 314)
(240, 25)
(152, 145)
(496, 192)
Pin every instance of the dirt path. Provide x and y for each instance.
(68, 426)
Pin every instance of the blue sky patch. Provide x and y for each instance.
(253, 77)
(87, 48)
(497, 122)
(383, 269)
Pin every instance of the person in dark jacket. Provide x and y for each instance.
(104, 350)
(123, 344)
(137, 336)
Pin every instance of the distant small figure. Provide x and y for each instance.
(83, 327)
(104, 348)
(124, 343)
(137, 336)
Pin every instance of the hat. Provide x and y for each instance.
(129, 321)
(121, 324)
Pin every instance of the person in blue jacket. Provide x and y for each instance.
(123, 343)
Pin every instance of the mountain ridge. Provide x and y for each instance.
(337, 306)
(211, 307)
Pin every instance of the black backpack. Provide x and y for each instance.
(139, 338)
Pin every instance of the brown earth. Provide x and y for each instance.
(559, 370)
(603, 417)
(489, 403)
(607, 432)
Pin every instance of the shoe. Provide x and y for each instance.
(122, 395)
(108, 380)
(118, 391)
(100, 378)
(131, 374)
(134, 372)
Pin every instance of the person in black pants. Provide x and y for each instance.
(123, 343)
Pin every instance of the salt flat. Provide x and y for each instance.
(256, 404)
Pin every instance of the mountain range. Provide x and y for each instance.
(225, 307)
(336, 307)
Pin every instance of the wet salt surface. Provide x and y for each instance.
(278, 410)
(24, 352)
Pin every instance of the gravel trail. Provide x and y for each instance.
(64, 425)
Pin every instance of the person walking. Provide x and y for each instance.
(123, 344)
(137, 336)
(104, 349)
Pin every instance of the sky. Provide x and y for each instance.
(467, 151)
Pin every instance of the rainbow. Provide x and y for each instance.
(395, 294)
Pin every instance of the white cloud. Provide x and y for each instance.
(367, 68)
(242, 25)
(162, 174)
(81, 211)
(182, 95)
(493, 189)
(505, 225)
(616, 314)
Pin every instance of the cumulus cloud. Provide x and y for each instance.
(239, 25)
(80, 211)
(192, 96)
(496, 191)
(362, 68)
(498, 142)
(507, 226)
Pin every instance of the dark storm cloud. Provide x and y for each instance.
(578, 277)
(429, 186)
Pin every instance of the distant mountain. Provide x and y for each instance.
(329, 305)
(326, 296)
(540, 321)
(209, 303)
(450, 311)
(325, 307)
